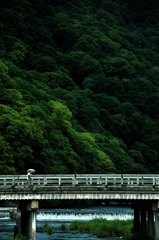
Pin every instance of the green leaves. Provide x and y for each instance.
(81, 65)
(6, 159)
(83, 143)
(4, 77)
(18, 52)
(79, 86)
(61, 114)
(19, 132)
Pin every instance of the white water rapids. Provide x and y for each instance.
(109, 213)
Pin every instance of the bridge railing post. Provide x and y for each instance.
(153, 181)
(114, 181)
(74, 181)
(87, 181)
(142, 181)
(91, 180)
(45, 181)
(59, 181)
(106, 181)
(39, 181)
(122, 180)
(128, 181)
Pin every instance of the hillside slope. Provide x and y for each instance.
(79, 86)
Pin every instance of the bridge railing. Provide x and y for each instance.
(81, 180)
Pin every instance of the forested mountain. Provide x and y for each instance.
(79, 86)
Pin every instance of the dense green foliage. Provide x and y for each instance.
(79, 86)
(104, 228)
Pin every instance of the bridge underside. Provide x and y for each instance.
(146, 220)
(145, 225)
(90, 196)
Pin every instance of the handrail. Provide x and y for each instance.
(82, 179)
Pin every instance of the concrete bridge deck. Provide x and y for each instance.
(80, 186)
(142, 190)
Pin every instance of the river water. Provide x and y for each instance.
(55, 217)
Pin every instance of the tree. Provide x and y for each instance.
(20, 132)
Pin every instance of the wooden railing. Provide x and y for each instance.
(81, 180)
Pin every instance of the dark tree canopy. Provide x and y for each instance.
(79, 86)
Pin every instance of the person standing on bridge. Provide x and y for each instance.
(28, 177)
(29, 172)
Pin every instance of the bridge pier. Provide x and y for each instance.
(146, 220)
(156, 226)
(150, 223)
(27, 222)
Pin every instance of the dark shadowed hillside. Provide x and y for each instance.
(79, 86)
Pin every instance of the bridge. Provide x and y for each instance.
(80, 186)
(142, 190)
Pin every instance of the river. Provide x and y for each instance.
(55, 217)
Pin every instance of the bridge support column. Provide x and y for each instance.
(156, 226)
(17, 216)
(150, 223)
(143, 222)
(28, 218)
(144, 212)
(136, 227)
